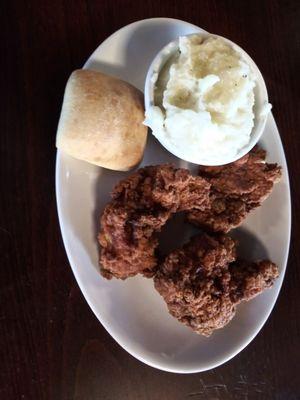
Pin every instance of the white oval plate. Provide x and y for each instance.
(132, 311)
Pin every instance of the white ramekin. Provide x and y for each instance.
(260, 94)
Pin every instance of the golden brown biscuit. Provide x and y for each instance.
(101, 121)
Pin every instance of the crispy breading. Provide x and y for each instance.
(236, 189)
(141, 205)
(202, 283)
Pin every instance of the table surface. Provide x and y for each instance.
(51, 344)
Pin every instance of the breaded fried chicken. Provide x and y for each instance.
(202, 283)
(236, 189)
(127, 240)
(163, 186)
(141, 205)
(248, 279)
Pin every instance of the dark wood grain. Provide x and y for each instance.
(51, 345)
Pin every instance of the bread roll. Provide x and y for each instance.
(101, 121)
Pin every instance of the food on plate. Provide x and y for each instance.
(203, 282)
(236, 189)
(203, 101)
(101, 121)
(128, 240)
(141, 205)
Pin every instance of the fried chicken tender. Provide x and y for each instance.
(248, 279)
(141, 205)
(236, 189)
(202, 283)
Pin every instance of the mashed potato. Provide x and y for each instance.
(204, 99)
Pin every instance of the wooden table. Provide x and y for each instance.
(51, 344)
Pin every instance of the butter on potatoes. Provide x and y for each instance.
(203, 101)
